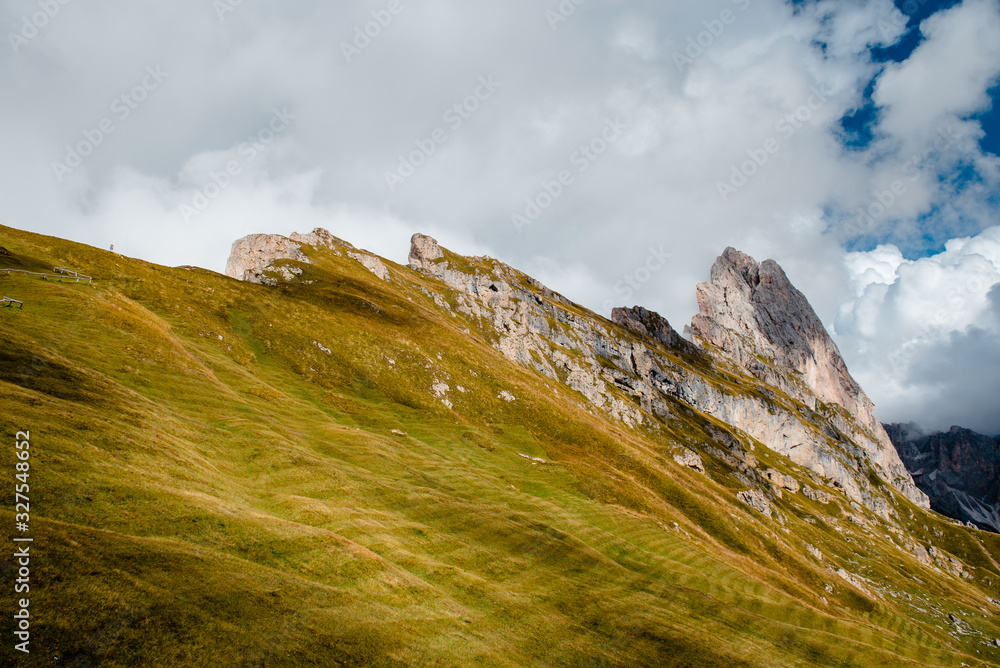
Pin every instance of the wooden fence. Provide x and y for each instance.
(60, 274)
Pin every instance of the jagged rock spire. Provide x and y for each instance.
(753, 314)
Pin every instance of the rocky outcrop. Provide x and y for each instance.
(958, 469)
(816, 495)
(649, 324)
(321, 238)
(639, 370)
(756, 500)
(424, 252)
(252, 255)
(253, 258)
(782, 481)
(371, 263)
(753, 315)
(690, 459)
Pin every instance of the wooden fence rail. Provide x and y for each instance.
(70, 272)
(7, 301)
(60, 275)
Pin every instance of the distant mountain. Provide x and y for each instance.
(958, 469)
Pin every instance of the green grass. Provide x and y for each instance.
(241, 501)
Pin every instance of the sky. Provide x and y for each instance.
(610, 149)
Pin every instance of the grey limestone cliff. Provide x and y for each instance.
(762, 363)
(254, 258)
(251, 256)
(752, 314)
(801, 403)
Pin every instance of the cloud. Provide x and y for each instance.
(852, 26)
(921, 335)
(956, 391)
(994, 299)
(636, 37)
(947, 76)
(925, 178)
(736, 97)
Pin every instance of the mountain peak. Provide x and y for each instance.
(756, 317)
(752, 314)
(738, 261)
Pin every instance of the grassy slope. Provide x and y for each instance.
(210, 488)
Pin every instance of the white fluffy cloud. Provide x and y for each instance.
(948, 75)
(922, 334)
(913, 181)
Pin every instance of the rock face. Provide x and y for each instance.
(751, 310)
(251, 255)
(256, 254)
(958, 469)
(424, 251)
(764, 366)
(815, 494)
(372, 264)
(782, 481)
(755, 500)
(752, 313)
(690, 459)
(649, 323)
(638, 369)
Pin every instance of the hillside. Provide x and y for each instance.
(345, 461)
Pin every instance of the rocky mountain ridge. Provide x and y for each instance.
(335, 459)
(958, 469)
(796, 401)
(255, 255)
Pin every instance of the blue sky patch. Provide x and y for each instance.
(990, 120)
(858, 127)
